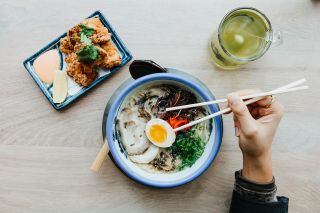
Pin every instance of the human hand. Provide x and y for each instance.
(255, 125)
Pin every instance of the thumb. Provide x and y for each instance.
(248, 124)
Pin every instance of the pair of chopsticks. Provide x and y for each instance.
(252, 98)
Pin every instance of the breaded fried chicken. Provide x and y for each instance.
(80, 73)
(113, 57)
(85, 73)
(101, 34)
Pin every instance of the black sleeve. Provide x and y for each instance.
(251, 196)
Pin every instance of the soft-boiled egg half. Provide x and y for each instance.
(160, 133)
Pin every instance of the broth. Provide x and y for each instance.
(148, 103)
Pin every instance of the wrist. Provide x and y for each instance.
(258, 169)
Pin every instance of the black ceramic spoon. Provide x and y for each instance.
(140, 68)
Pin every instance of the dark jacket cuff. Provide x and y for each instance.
(241, 205)
(258, 192)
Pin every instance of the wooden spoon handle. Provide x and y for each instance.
(102, 155)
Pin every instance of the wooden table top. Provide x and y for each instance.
(45, 155)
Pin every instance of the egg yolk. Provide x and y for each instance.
(158, 133)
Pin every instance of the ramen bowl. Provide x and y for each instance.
(117, 152)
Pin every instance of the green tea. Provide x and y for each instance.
(243, 36)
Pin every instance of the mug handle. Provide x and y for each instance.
(277, 38)
(140, 68)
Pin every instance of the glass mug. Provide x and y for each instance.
(244, 35)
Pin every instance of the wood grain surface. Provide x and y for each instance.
(45, 155)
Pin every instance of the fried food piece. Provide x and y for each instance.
(72, 40)
(101, 34)
(109, 56)
(112, 58)
(80, 73)
(100, 38)
(93, 23)
(66, 45)
(85, 73)
(73, 34)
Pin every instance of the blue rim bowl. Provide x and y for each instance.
(189, 82)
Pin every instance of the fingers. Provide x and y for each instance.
(242, 114)
(263, 102)
(277, 109)
(273, 108)
(258, 112)
(271, 114)
(236, 126)
(255, 112)
(264, 111)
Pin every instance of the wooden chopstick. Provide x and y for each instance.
(296, 83)
(103, 153)
(284, 89)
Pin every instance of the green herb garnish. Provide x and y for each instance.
(88, 53)
(87, 31)
(85, 39)
(188, 147)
